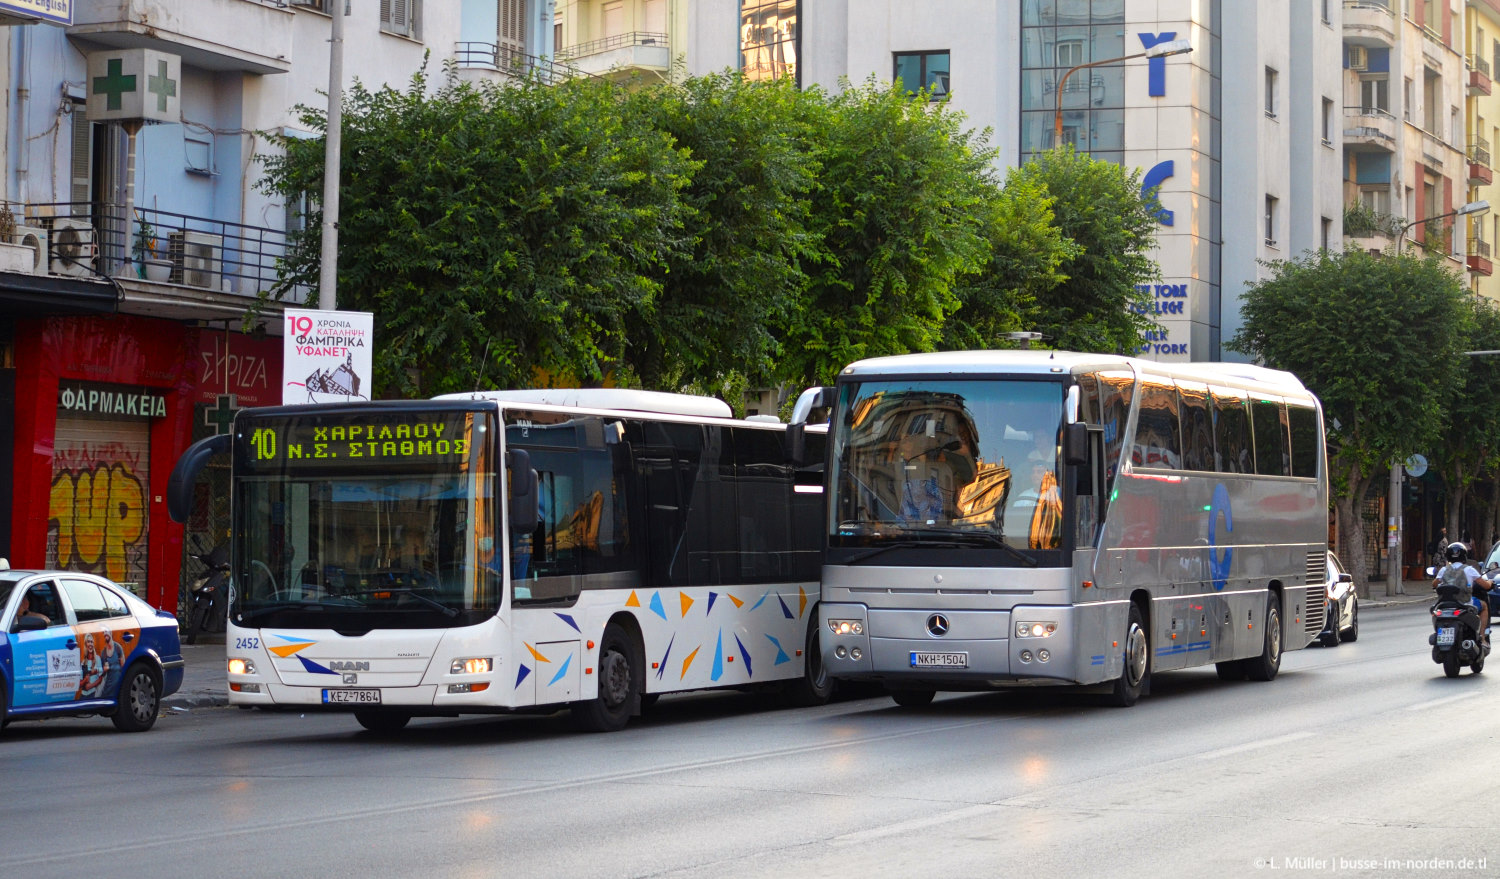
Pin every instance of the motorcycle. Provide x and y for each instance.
(208, 603)
(1456, 639)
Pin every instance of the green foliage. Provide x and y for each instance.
(900, 214)
(529, 222)
(1026, 252)
(1363, 221)
(1468, 449)
(1099, 207)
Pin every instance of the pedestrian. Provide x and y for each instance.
(1436, 546)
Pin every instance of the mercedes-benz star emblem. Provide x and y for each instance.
(937, 625)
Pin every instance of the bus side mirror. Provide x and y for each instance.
(796, 444)
(524, 512)
(192, 462)
(810, 399)
(1076, 444)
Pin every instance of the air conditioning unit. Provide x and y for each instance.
(74, 247)
(1359, 58)
(36, 238)
(196, 258)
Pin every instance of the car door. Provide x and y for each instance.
(47, 666)
(107, 633)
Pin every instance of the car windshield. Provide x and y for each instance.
(940, 460)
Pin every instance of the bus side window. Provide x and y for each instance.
(1197, 428)
(1157, 438)
(1304, 428)
(1268, 420)
(1115, 392)
(1232, 433)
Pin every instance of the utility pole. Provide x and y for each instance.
(328, 274)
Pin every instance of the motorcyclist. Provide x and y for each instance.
(1464, 577)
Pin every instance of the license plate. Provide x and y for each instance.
(939, 660)
(1445, 637)
(351, 697)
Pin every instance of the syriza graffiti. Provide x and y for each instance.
(97, 512)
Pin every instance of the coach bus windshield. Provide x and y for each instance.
(360, 521)
(947, 462)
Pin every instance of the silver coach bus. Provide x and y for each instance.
(1003, 518)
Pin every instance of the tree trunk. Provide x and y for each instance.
(1458, 495)
(1352, 531)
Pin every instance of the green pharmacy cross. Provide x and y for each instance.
(159, 84)
(115, 83)
(221, 417)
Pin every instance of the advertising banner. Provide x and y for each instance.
(56, 11)
(326, 356)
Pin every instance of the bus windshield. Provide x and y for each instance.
(947, 461)
(356, 522)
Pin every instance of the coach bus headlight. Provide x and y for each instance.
(238, 666)
(846, 627)
(1035, 630)
(476, 666)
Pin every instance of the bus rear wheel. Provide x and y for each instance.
(1135, 677)
(382, 721)
(620, 683)
(1265, 666)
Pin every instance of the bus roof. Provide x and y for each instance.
(1013, 362)
(621, 399)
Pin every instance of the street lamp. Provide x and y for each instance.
(1160, 50)
(1393, 494)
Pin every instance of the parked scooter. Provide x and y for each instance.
(208, 605)
(1456, 639)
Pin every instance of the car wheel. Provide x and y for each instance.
(139, 701)
(1352, 633)
(621, 676)
(1135, 677)
(1265, 666)
(1330, 637)
(913, 698)
(382, 721)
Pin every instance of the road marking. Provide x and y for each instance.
(914, 824)
(1255, 745)
(1423, 706)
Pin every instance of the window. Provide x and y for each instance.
(1057, 35)
(1069, 53)
(1197, 428)
(1432, 102)
(1268, 418)
(1232, 447)
(1271, 92)
(769, 38)
(401, 17)
(1455, 127)
(1303, 421)
(1327, 122)
(1374, 94)
(1270, 221)
(919, 70)
(88, 604)
(612, 19)
(320, 5)
(1325, 12)
(1327, 232)
(1408, 100)
(114, 603)
(1157, 439)
(1116, 389)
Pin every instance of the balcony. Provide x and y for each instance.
(1480, 173)
(251, 36)
(1479, 76)
(623, 53)
(1479, 257)
(1369, 23)
(1369, 129)
(168, 265)
(491, 61)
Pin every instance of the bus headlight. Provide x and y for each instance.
(1035, 630)
(475, 666)
(238, 666)
(846, 627)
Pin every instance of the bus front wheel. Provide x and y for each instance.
(912, 698)
(1135, 677)
(620, 684)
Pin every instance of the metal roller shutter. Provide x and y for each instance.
(100, 479)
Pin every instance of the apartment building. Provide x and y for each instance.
(1482, 122)
(120, 337)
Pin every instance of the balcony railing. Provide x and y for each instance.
(508, 59)
(618, 41)
(1479, 247)
(1479, 152)
(1478, 63)
(198, 251)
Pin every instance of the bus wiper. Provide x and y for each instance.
(430, 602)
(952, 539)
(246, 616)
(988, 539)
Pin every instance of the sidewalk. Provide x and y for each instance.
(205, 682)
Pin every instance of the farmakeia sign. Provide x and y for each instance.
(111, 401)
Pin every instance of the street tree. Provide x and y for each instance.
(899, 215)
(1379, 339)
(504, 232)
(1098, 206)
(1469, 449)
(1027, 250)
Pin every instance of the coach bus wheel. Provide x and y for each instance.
(913, 698)
(1137, 671)
(382, 721)
(619, 685)
(815, 687)
(1265, 666)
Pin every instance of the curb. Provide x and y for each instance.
(189, 701)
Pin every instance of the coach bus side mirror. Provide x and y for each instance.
(1076, 444)
(192, 462)
(524, 513)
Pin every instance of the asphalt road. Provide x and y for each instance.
(1358, 760)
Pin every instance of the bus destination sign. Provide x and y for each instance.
(355, 440)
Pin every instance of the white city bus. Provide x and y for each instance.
(515, 551)
(1030, 517)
